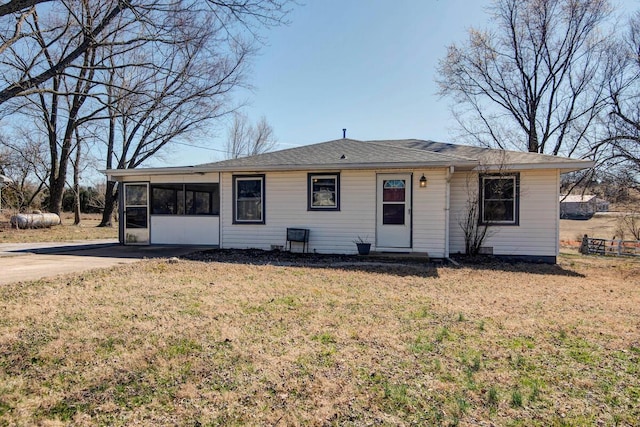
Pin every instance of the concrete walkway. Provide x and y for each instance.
(32, 261)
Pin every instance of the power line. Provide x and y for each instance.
(201, 147)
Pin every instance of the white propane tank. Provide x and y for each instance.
(35, 220)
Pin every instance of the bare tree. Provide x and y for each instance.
(169, 93)
(152, 70)
(245, 139)
(15, 6)
(492, 191)
(87, 35)
(178, 86)
(56, 104)
(620, 148)
(474, 231)
(29, 62)
(533, 84)
(238, 135)
(24, 160)
(263, 138)
(59, 109)
(628, 224)
(24, 167)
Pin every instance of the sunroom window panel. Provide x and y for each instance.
(202, 199)
(185, 199)
(180, 203)
(165, 199)
(189, 204)
(203, 203)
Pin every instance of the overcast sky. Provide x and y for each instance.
(365, 65)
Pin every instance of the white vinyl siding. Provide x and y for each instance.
(185, 230)
(286, 207)
(429, 212)
(286, 200)
(537, 232)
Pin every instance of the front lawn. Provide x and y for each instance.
(209, 343)
(65, 232)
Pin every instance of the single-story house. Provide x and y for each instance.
(581, 206)
(401, 195)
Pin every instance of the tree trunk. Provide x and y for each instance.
(76, 186)
(56, 191)
(76, 204)
(110, 197)
(533, 144)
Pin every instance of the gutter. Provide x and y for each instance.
(267, 168)
(563, 167)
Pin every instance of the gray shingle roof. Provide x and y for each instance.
(350, 153)
(392, 154)
(480, 154)
(341, 153)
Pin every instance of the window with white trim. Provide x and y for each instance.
(248, 199)
(500, 199)
(323, 192)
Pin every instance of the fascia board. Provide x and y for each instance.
(280, 168)
(563, 167)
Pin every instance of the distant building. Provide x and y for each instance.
(581, 207)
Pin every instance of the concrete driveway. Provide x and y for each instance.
(32, 261)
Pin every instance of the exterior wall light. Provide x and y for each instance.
(423, 181)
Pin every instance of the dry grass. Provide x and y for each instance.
(87, 230)
(601, 226)
(195, 343)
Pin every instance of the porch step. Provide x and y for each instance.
(414, 256)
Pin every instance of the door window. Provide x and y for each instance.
(393, 200)
(136, 205)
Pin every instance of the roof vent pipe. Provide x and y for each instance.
(344, 133)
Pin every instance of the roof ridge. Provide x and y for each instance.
(478, 147)
(451, 156)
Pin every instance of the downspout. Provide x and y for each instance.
(221, 210)
(557, 213)
(447, 209)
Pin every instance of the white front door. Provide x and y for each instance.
(136, 213)
(393, 223)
